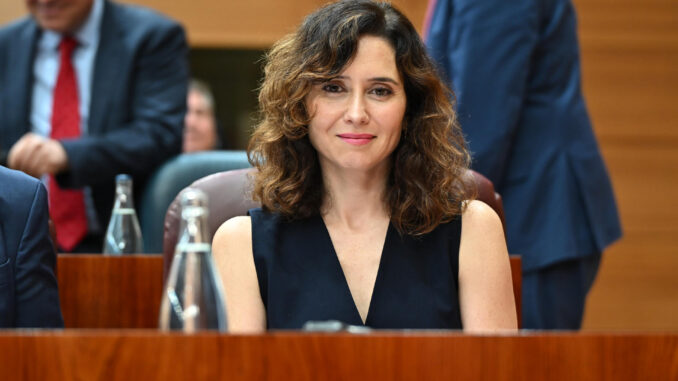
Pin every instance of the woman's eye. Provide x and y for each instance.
(382, 91)
(331, 88)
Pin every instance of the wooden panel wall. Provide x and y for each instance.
(233, 23)
(630, 71)
(10, 10)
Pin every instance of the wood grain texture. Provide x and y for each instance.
(252, 23)
(125, 292)
(645, 177)
(151, 355)
(630, 76)
(630, 67)
(517, 279)
(233, 24)
(110, 292)
(636, 288)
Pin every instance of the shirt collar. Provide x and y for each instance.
(87, 35)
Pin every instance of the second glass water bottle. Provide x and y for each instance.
(193, 298)
(123, 235)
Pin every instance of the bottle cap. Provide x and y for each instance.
(193, 197)
(123, 177)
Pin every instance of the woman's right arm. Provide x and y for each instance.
(485, 287)
(232, 248)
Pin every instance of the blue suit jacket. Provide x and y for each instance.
(138, 99)
(29, 296)
(514, 66)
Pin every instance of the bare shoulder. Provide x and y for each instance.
(482, 235)
(235, 226)
(479, 215)
(233, 235)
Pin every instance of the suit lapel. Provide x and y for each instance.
(106, 64)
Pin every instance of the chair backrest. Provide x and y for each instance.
(486, 194)
(170, 179)
(228, 196)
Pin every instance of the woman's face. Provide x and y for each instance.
(356, 117)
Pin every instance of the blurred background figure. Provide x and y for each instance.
(201, 130)
(90, 89)
(29, 296)
(514, 66)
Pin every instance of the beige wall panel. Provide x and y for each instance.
(636, 287)
(233, 23)
(11, 9)
(645, 178)
(252, 23)
(632, 95)
(630, 66)
(630, 73)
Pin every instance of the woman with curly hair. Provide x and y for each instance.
(361, 167)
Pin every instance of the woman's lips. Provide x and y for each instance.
(356, 139)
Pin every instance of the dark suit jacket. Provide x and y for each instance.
(514, 66)
(138, 99)
(29, 296)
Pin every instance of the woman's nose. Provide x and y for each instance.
(356, 112)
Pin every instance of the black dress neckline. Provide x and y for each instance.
(332, 252)
(301, 279)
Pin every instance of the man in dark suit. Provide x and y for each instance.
(127, 67)
(29, 296)
(514, 66)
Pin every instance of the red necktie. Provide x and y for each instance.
(67, 207)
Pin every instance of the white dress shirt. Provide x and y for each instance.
(45, 71)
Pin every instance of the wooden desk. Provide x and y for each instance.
(151, 355)
(98, 291)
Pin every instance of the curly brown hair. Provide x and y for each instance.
(426, 185)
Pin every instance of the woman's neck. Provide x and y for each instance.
(354, 199)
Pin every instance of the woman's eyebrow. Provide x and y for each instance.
(384, 79)
(373, 79)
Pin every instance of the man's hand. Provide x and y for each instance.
(37, 155)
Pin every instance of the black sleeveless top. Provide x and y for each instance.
(301, 279)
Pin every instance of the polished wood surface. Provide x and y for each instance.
(151, 355)
(98, 291)
(517, 279)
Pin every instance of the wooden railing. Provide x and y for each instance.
(151, 355)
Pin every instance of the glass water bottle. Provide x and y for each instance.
(193, 298)
(123, 235)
